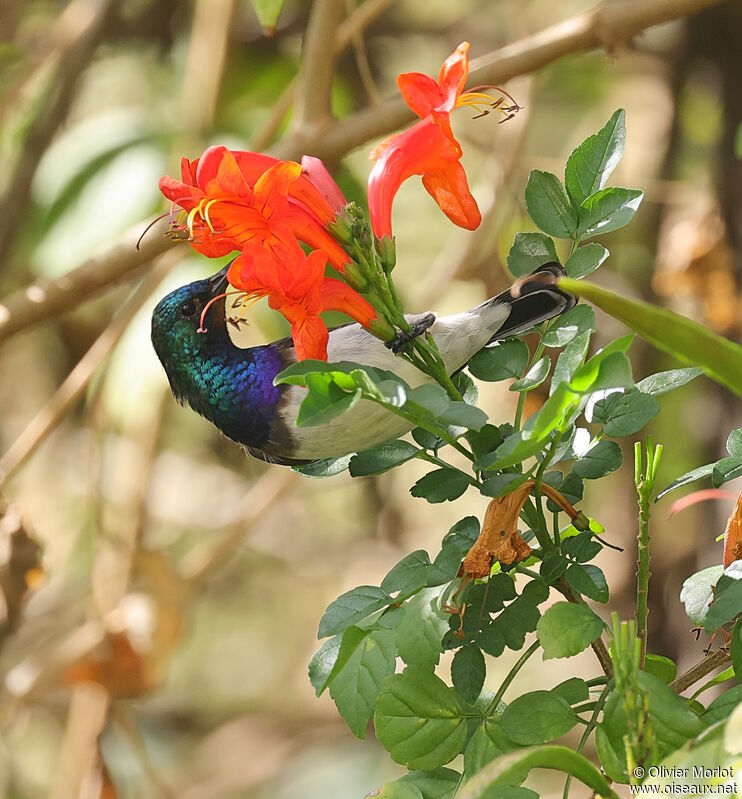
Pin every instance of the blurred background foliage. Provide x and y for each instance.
(184, 578)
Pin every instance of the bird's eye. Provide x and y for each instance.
(188, 308)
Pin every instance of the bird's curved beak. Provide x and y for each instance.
(218, 282)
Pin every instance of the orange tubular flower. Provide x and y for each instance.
(428, 148)
(296, 287)
(232, 198)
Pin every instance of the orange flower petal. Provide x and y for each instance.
(421, 93)
(310, 338)
(449, 188)
(453, 74)
(272, 187)
(339, 296)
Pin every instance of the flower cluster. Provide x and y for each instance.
(272, 212)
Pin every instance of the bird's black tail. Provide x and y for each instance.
(533, 300)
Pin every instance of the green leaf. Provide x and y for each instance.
(440, 485)
(688, 477)
(607, 210)
(268, 12)
(585, 260)
(351, 607)
(689, 341)
(421, 630)
(549, 206)
(501, 484)
(324, 468)
(570, 360)
(430, 396)
(725, 470)
(503, 769)
(324, 401)
(485, 440)
(440, 783)
(427, 440)
(382, 458)
(734, 443)
(591, 164)
(553, 567)
(398, 789)
(410, 573)
(419, 720)
(601, 459)
(535, 375)
(323, 662)
(625, 414)
(667, 381)
(735, 649)
(661, 667)
(588, 580)
(468, 671)
(355, 685)
(500, 361)
(464, 415)
(566, 629)
(667, 708)
(698, 591)
(564, 328)
(456, 543)
(582, 547)
(537, 717)
(573, 691)
(726, 605)
(529, 252)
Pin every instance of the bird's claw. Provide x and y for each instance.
(405, 337)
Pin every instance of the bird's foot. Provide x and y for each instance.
(405, 337)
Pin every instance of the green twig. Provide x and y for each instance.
(510, 677)
(644, 480)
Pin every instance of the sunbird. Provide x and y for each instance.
(233, 386)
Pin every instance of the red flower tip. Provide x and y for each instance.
(428, 149)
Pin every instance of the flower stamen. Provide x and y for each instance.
(485, 103)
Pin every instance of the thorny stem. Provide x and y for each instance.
(644, 487)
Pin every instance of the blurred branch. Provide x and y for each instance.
(86, 718)
(351, 27)
(78, 379)
(314, 98)
(207, 52)
(609, 25)
(87, 22)
(711, 662)
(45, 299)
(362, 65)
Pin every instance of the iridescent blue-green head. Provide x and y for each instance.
(230, 386)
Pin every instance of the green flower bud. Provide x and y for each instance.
(387, 252)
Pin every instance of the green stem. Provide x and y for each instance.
(510, 677)
(644, 488)
(425, 456)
